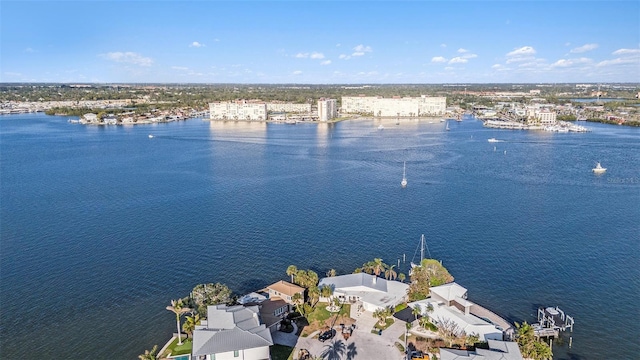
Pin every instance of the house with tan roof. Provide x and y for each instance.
(285, 291)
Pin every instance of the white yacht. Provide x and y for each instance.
(403, 183)
(598, 169)
(150, 136)
(493, 140)
(380, 127)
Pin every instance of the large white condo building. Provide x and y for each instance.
(395, 106)
(238, 110)
(288, 107)
(327, 109)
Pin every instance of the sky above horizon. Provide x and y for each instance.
(320, 42)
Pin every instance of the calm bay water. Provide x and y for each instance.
(102, 226)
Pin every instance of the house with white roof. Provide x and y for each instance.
(498, 350)
(372, 291)
(231, 332)
(448, 303)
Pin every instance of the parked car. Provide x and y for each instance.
(327, 335)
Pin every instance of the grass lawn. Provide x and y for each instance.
(387, 323)
(320, 316)
(183, 349)
(281, 352)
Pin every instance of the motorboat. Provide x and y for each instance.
(380, 127)
(598, 169)
(493, 140)
(403, 183)
(150, 136)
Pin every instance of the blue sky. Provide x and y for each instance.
(320, 42)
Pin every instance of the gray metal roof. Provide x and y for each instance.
(499, 350)
(230, 328)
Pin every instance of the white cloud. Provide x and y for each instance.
(196, 44)
(520, 59)
(338, 45)
(302, 55)
(497, 66)
(180, 68)
(344, 57)
(438, 59)
(469, 56)
(313, 55)
(449, 68)
(29, 50)
(627, 52)
(297, 72)
(584, 48)
(326, 62)
(458, 60)
(317, 55)
(523, 51)
(462, 51)
(128, 58)
(360, 50)
(618, 61)
(571, 62)
(443, 45)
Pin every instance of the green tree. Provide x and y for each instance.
(314, 295)
(449, 331)
(402, 277)
(149, 354)
(204, 295)
(331, 273)
(375, 267)
(429, 273)
(190, 323)
(291, 271)
(326, 291)
(530, 347)
(389, 273)
(382, 315)
(178, 308)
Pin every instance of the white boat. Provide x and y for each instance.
(447, 127)
(442, 120)
(380, 127)
(598, 169)
(493, 140)
(403, 183)
(150, 136)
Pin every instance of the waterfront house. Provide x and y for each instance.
(370, 291)
(498, 350)
(448, 303)
(231, 332)
(285, 291)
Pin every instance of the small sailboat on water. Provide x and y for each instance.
(447, 127)
(403, 183)
(422, 248)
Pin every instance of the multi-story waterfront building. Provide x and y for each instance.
(327, 109)
(395, 106)
(238, 110)
(278, 106)
(545, 117)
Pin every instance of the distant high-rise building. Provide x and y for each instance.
(327, 109)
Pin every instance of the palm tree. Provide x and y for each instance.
(297, 298)
(326, 291)
(314, 295)
(331, 273)
(417, 311)
(149, 355)
(374, 267)
(292, 270)
(177, 308)
(390, 274)
(402, 277)
(190, 323)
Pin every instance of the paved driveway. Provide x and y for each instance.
(363, 345)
